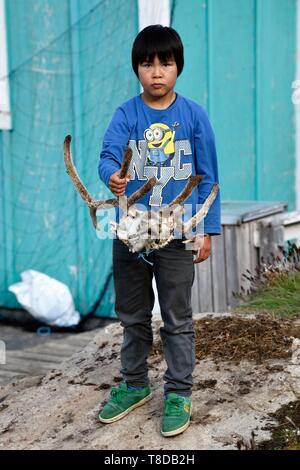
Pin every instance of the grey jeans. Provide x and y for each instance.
(173, 269)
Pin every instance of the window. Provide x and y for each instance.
(154, 12)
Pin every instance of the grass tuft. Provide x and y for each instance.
(275, 288)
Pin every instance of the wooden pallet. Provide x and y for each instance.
(39, 360)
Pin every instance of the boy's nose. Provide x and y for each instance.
(157, 71)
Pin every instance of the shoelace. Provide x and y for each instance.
(173, 406)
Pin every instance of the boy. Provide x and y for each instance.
(171, 139)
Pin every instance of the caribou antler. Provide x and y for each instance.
(142, 229)
(187, 191)
(196, 219)
(94, 204)
(175, 209)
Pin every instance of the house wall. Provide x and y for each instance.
(69, 65)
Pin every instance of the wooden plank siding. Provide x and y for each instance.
(240, 65)
(238, 251)
(40, 359)
(70, 67)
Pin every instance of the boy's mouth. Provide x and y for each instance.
(157, 85)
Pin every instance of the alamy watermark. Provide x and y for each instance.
(138, 221)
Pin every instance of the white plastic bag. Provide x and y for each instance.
(47, 299)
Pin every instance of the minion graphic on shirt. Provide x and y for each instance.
(160, 143)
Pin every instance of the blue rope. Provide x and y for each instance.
(142, 255)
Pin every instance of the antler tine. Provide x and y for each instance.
(94, 204)
(72, 172)
(194, 180)
(187, 191)
(194, 221)
(142, 191)
(126, 162)
(130, 201)
(113, 202)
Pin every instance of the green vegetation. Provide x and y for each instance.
(286, 435)
(275, 288)
(280, 295)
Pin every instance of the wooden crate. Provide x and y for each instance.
(250, 229)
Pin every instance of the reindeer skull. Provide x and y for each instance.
(147, 230)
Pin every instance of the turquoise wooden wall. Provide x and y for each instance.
(70, 67)
(240, 64)
(69, 70)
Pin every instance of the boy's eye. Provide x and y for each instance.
(149, 64)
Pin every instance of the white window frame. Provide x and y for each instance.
(5, 112)
(154, 12)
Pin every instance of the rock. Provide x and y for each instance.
(275, 367)
(60, 411)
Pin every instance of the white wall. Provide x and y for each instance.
(5, 115)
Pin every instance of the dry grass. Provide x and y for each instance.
(237, 337)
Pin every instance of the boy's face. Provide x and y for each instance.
(158, 78)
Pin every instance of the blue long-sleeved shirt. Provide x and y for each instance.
(171, 144)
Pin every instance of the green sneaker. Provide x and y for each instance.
(177, 413)
(122, 401)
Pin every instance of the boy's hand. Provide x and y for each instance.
(117, 185)
(202, 248)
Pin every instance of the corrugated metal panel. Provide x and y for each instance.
(237, 212)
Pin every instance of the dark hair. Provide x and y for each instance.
(157, 40)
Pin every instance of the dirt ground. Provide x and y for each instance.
(234, 338)
(246, 389)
